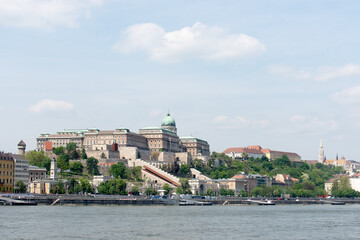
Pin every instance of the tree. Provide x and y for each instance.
(179, 191)
(308, 185)
(102, 156)
(222, 192)
(71, 150)
(58, 189)
(21, 187)
(38, 159)
(70, 146)
(184, 170)
(85, 185)
(150, 191)
(63, 162)
(118, 170)
(113, 186)
(134, 190)
(344, 183)
(76, 167)
(136, 173)
(167, 188)
(185, 186)
(244, 156)
(92, 166)
(209, 192)
(83, 154)
(59, 150)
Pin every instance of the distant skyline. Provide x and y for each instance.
(280, 74)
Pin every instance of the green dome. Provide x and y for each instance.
(168, 121)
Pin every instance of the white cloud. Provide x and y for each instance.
(198, 41)
(312, 125)
(348, 96)
(48, 105)
(226, 122)
(321, 74)
(44, 14)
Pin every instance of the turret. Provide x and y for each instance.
(21, 147)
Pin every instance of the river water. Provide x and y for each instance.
(174, 222)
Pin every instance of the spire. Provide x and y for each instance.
(321, 153)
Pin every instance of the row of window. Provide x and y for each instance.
(7, 181)
(7, 173)
(7, 189)
(5, 165)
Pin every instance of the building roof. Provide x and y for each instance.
(193, 139)
(242, 150)
(267, 150)
(168, 121)
(21, 143)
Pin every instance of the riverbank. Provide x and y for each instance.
(73, 199)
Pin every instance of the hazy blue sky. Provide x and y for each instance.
(280, 74)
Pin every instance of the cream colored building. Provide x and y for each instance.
(257, 152)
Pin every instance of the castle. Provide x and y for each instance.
(150, 143)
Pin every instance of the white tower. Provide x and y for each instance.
(53, 170)
(321, 153)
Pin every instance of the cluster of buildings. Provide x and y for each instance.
(149, 143)
(242, 153)
(351, 167)
(239, 183)
(152, 148)
(14, 167)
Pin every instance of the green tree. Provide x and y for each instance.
(179, 191)
(209, 192)
(136, 173)
(63, 162)
(59, 150)
(38, 159)
(20, 186)
(113, 187)
(83, 154)
(167, 188)
(85, 185)
(92, 166)
(71, 150)
(134, 190)
(76, 167)
(185, 186)
(150, 191)
(119, 170)
(58, 189)
(184, 170)
(223, 192)
(344, 183)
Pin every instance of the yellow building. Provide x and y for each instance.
(6, 172)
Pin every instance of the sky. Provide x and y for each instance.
(280, 74)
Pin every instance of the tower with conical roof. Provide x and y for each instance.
(321, 153)
(21, 147)
(168, 123)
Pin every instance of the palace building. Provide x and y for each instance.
(148, 139)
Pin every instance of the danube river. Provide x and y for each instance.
(174, 222)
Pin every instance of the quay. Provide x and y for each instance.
(74, 199)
